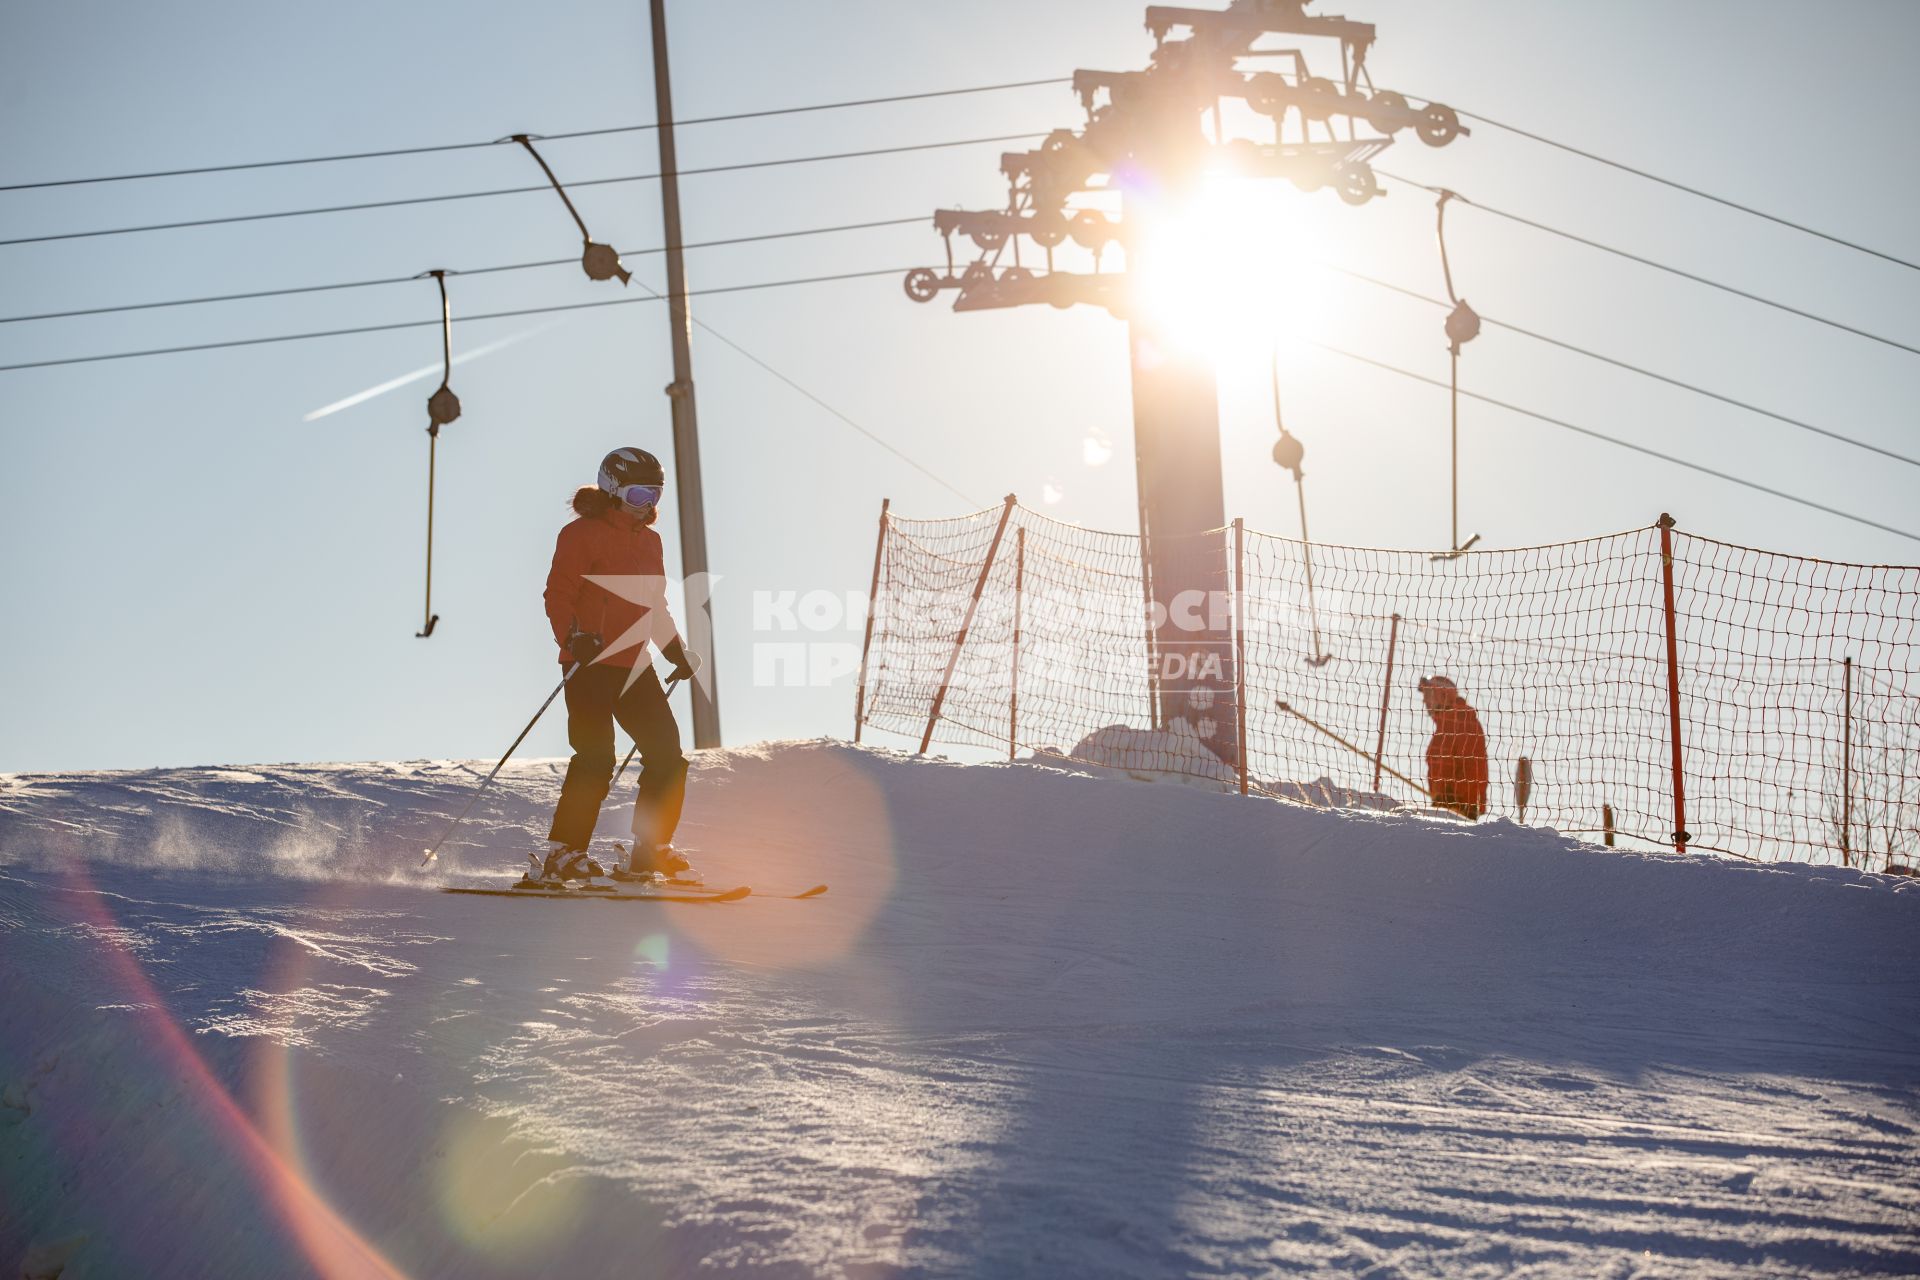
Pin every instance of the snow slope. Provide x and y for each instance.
(1045, 1024)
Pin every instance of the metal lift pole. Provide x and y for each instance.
(686, 432)
(1176, 426)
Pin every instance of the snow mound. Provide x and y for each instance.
(1178, 755)
(1173, 754)
(1044, 1023)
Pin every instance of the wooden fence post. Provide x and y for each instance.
(966, 623)
(1846, 766)
(1019, 589)
(1386, 695)
(873, 596)
(1240, 641)
(1680, 834)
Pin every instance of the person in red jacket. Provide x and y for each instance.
(1457, 752)
(607, 605)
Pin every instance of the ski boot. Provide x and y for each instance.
(535, 876)
(660, 865)
(561, 865)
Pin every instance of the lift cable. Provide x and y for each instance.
(1624, 444)
(1617, 363)
(577, 133)
(416, 324)
(514, 191)
(775, 373)
(471, 271)
(895, 271)
(1693, 191)
(1661, 266)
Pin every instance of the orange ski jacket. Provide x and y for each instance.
(1457, 755)
(607, 546)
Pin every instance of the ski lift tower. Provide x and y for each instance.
(1145, 138)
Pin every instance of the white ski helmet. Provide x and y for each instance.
(634, 476)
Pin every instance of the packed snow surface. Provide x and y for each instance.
(1043, 1024)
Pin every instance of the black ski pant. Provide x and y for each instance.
(596, 697)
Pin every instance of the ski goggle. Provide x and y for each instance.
(639, 495)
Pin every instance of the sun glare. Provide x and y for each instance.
(1226, 269)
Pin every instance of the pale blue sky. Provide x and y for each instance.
(194, 575)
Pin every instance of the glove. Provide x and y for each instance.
(584, 646)
(684, 663)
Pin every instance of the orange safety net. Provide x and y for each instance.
(1799, 708)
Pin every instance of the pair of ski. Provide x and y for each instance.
(658, 891)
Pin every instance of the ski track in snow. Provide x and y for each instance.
(1043, 1025)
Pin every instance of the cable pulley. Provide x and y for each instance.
(1319, 100)
(1438, 124)
(1355, 181)
(923, 284)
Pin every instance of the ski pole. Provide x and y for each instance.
(482, 788)
(622, 771)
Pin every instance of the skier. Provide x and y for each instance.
(606, 632)
(1457, 752)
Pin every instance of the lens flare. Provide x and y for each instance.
(333, 1247)
(1223, 268)
(835, 828)
(653, 950)
(496, 1195)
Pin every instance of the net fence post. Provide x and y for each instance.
(1846, 763)
(966, 623)
(1680, 834)
(1240, 641)
(1153, 640)
(1386, 695)
(1013, 687)
(866, 645)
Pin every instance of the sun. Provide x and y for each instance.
(1224, 268)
